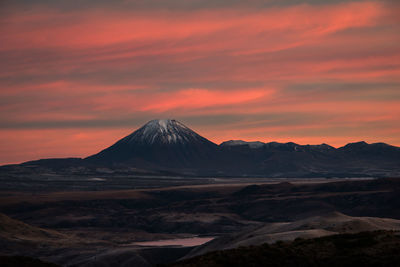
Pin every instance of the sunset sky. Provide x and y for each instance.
(76, 76)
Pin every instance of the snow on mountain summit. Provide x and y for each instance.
(164, 143)
(164, 131)
(254, 144)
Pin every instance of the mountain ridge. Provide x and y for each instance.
(166, 145)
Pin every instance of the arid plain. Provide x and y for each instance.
(89, 227)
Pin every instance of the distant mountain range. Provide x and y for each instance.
(170, 148)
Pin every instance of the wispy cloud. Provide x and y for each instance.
(310, 72)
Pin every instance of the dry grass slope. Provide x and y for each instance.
(379, 248)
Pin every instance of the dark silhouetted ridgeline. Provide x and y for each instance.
(167, 147)
(380, 248)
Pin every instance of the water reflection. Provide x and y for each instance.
(182, 242)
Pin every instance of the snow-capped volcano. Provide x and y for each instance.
(169, 147)
(163, 132)
(167, 143)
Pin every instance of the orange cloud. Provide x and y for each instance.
(66, 70)
(24, 145)
(201, 98)
(102, 27)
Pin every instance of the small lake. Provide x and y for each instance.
(181, 242)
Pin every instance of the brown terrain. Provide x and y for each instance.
(105, 228)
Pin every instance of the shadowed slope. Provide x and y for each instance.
(312, 227)
(379, 248)
(161, 143)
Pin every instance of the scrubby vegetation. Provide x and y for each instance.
(22, 261)
(380, 248)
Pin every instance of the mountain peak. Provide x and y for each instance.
(253, 144)
(163, 143)
(163, 125)
(162, 131)
(355, 145)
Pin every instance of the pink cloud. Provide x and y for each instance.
(101, 27)
(24, 145)
(202, 98)
(101, 65)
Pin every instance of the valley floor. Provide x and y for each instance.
(106, 227)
